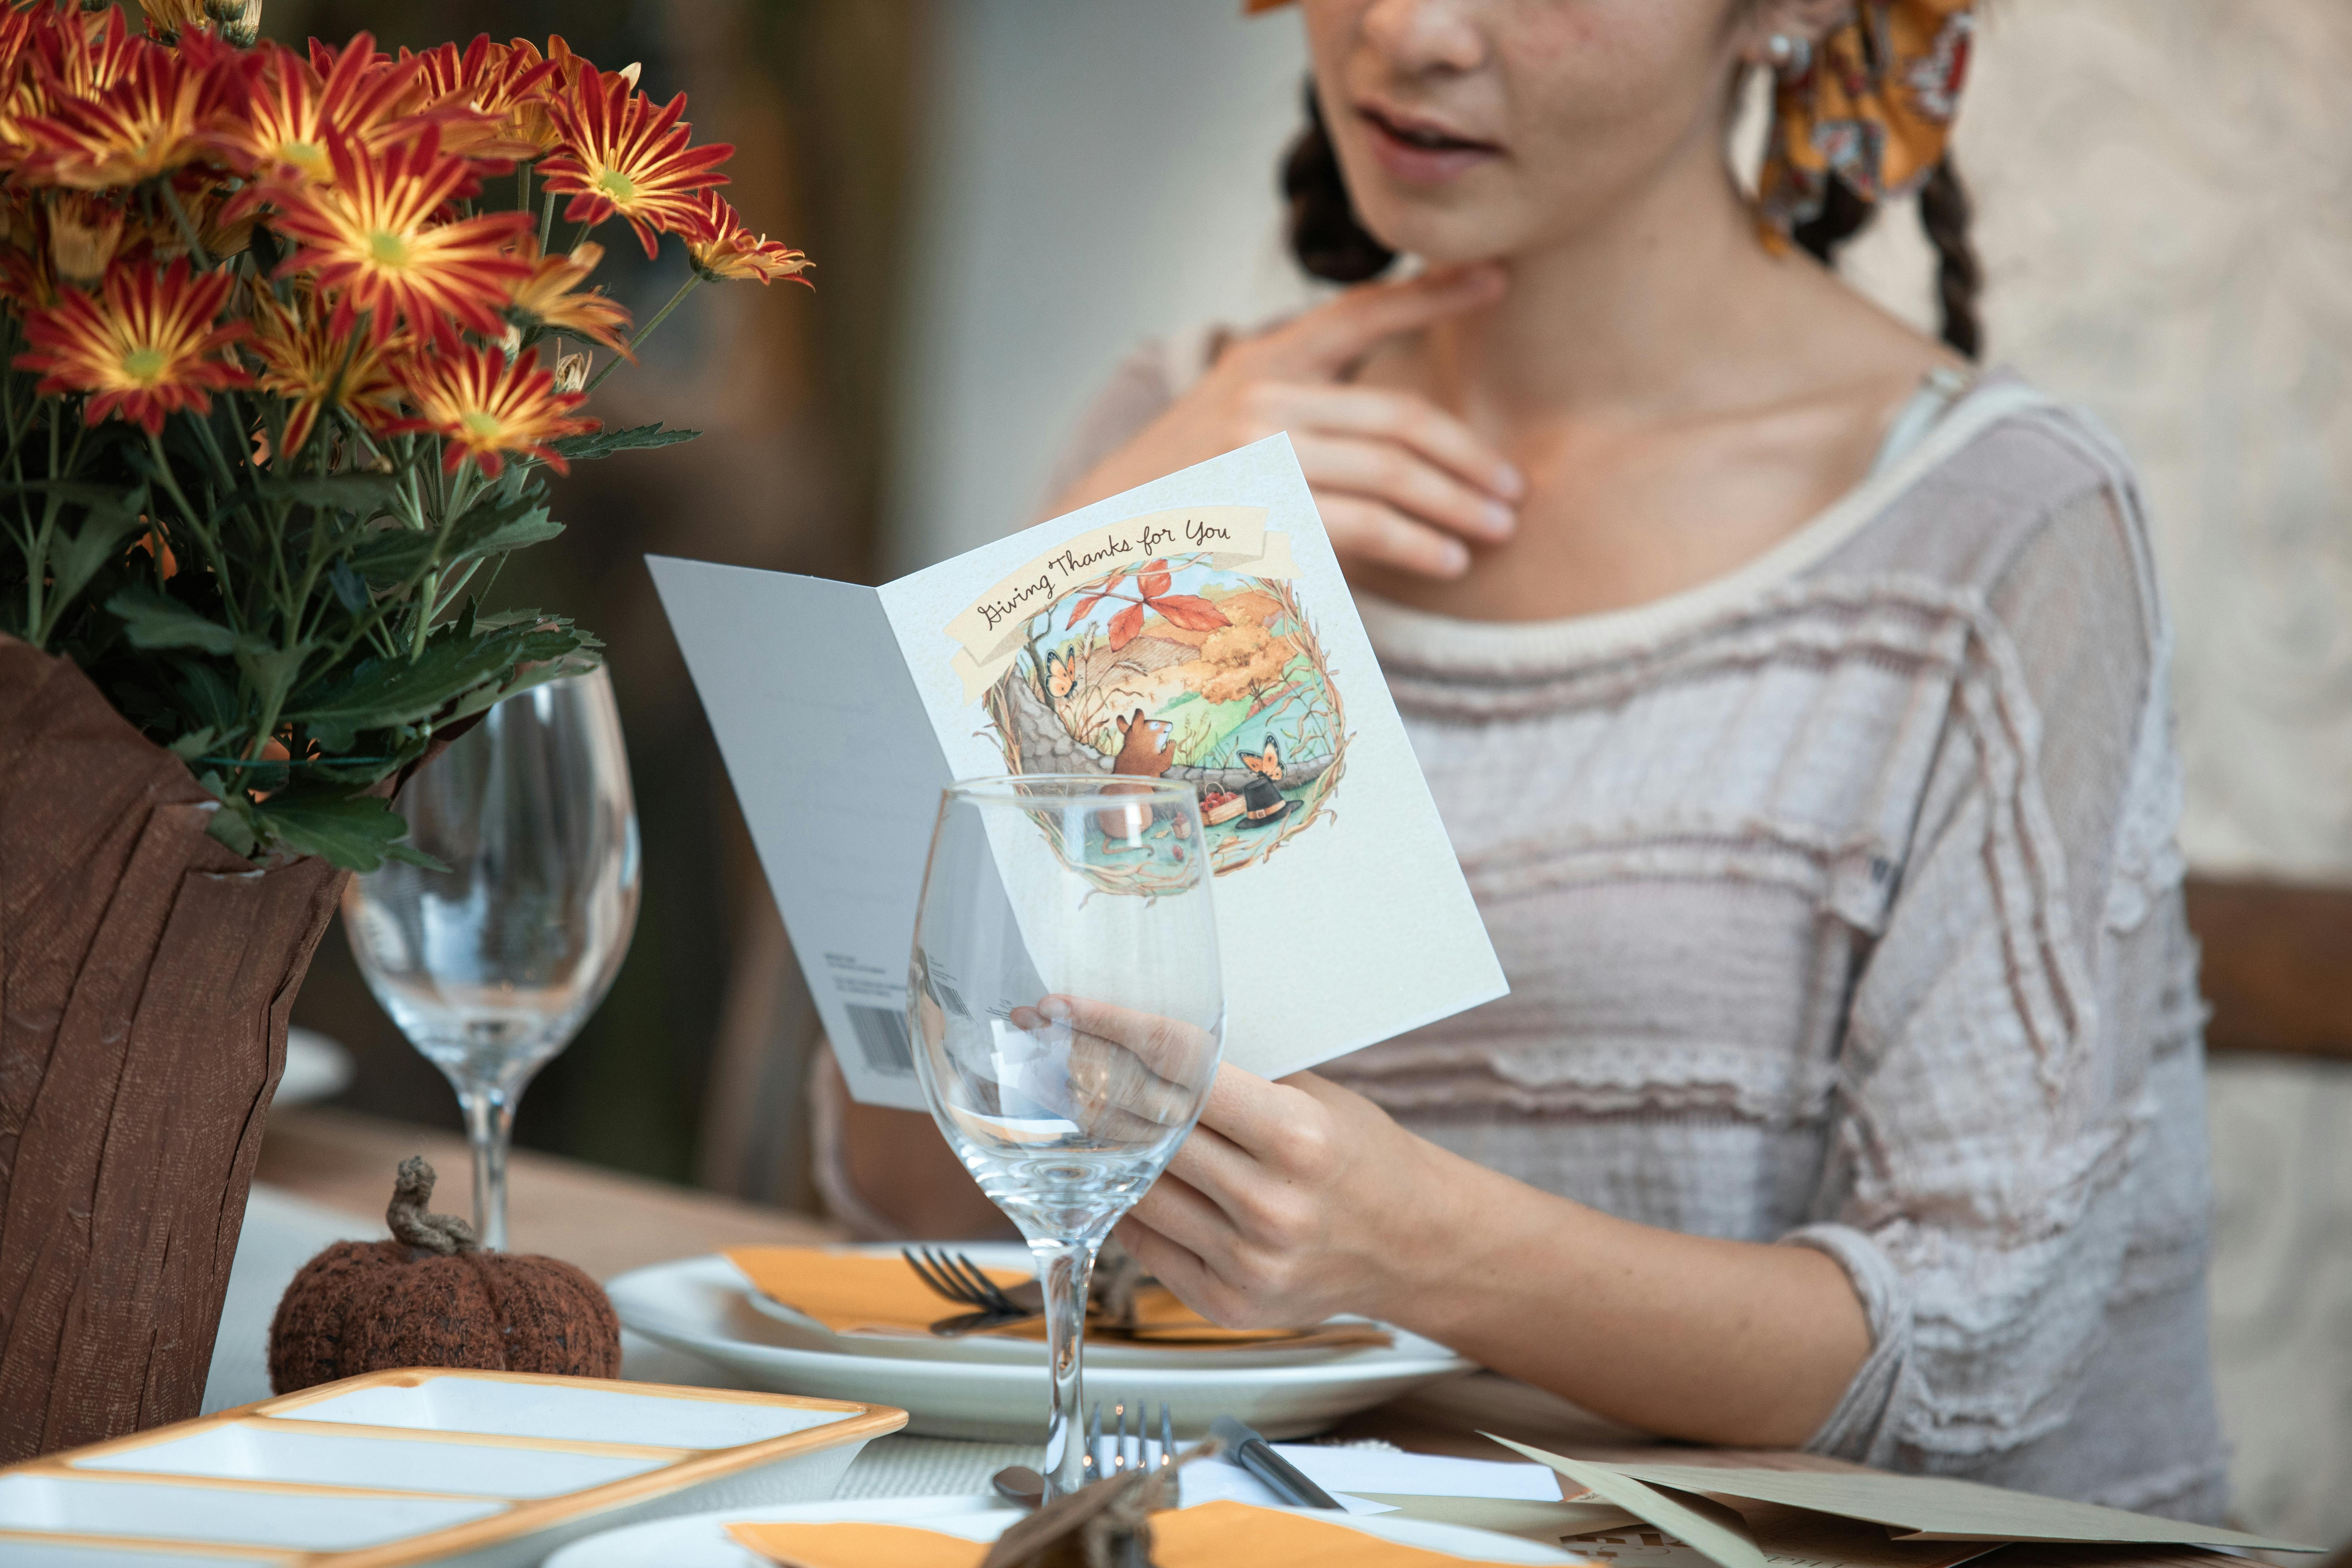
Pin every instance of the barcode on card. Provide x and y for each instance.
(882, 1040)
(949, 997)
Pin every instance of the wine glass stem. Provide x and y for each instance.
(1065, 1267)
(489, 1127)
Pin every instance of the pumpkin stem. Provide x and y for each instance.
(411, 1191)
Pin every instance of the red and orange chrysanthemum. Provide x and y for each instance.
(147, 344)
(551, 297)
(376, 241)
(726, 249)
(488, 407)
(618, 154)
(483, 91)
(315, 368)
(528, 119)
(295, 111)
(155, 110)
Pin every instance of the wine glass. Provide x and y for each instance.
(490, 966)
(1067, 1013)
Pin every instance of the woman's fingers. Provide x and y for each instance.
(1267, 1121)
(1403, 480)
(1177, 1051)
(1362, 528)
(1174, 1266)
(1174, 1208)
(1324, 342)
(1409, 422)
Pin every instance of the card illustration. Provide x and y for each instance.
(1200, 665)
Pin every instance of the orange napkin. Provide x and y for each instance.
(851, 1292)
(860, 1293)
(1213, 1535)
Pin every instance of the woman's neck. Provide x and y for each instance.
(1679, 398)
(1667, 306)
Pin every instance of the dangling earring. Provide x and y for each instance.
(1790, 56)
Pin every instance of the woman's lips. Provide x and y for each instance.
(1421, 151)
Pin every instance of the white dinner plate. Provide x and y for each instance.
(797, 1331)
(703, 1306)
(701, 1539)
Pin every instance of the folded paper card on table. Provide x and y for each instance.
(1195, 628)
(1739, 1517)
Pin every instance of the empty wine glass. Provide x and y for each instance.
(1067, 1013)
(491, 966)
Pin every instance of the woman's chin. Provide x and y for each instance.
(1443, 236)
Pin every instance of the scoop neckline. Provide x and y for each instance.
(1432, 640)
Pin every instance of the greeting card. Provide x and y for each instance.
(1196, 629)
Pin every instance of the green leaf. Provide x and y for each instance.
(355, 832)
(109, 516)
(409, 855)
(209, 697)
(576, 661)
(381, 693)
(233, 823)
(392, 554)
(153, 619)
(195, 744)
(98, 497)
(362, 493)
(605, 443)
(272, 672)
(496, 531)
(350, 589)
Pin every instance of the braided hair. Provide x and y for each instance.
(1330, 242)
(1944, 214)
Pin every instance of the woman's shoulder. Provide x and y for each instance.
(2006, 467)
(1153, 375)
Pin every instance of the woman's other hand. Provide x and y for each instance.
(1297, 1201)
(1289, 1203)
(1399, 480)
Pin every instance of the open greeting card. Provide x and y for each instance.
(1195, 628)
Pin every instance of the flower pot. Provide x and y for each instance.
(146, 972)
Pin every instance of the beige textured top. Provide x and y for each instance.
(1840, 904)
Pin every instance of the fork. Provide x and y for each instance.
(956, 1276)
(1148, 1453)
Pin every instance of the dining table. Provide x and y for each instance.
(324, 1175)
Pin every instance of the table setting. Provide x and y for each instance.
(1129, 802)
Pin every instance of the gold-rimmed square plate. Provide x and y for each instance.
(482, 1469)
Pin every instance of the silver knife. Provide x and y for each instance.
(1252, 1453)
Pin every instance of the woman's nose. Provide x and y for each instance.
(1421, 37)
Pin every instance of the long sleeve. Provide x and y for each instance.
(2012, 1041)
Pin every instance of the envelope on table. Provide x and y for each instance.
(1927, 1520)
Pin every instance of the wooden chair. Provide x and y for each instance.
(2277, 965)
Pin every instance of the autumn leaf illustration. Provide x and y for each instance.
(1152, 580)
(1096, 597)
(1190, 612)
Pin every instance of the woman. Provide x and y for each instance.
(1795, 700)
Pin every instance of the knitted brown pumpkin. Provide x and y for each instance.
(433, 1297)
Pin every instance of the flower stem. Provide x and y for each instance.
(196, 252)
(692, 279)
(200, 529)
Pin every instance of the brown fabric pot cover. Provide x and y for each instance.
(146, 973)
